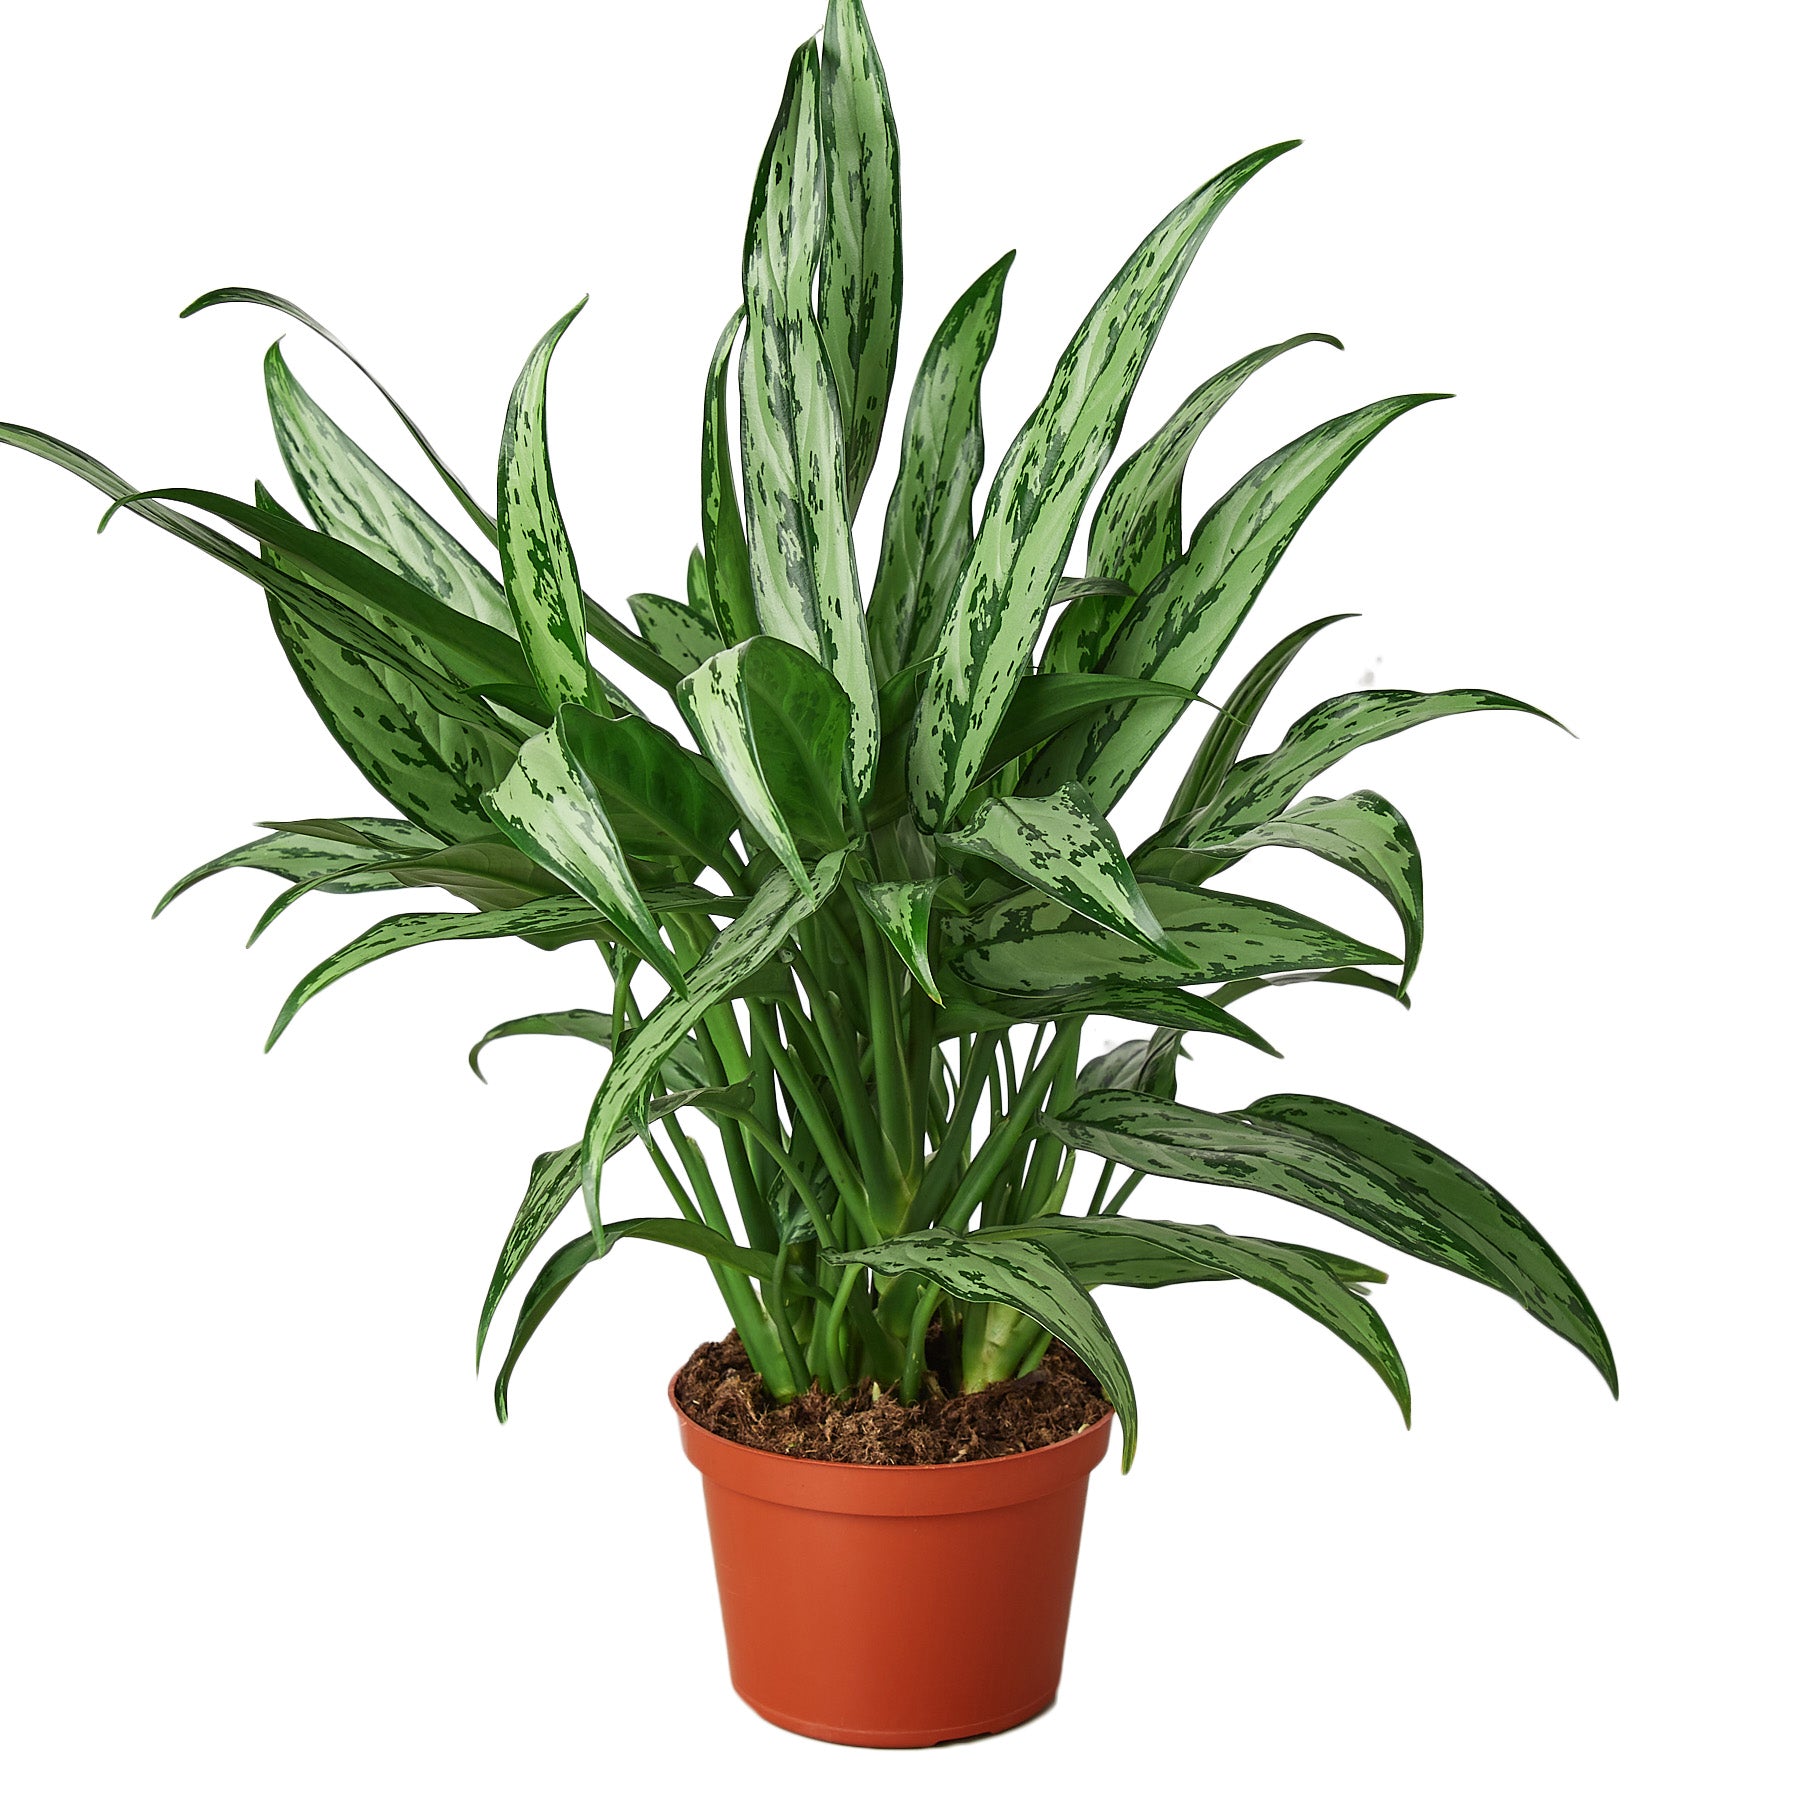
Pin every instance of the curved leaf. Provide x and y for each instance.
(721, 522)
(1020, 1274)
(802, 558)
(860, 264)
(1187, 617)
(677, 633)
(1036, 502)
(542, 586)
(1142, 1002)
(1303, 1278)
(903, 911)
(660, 797)
(1145, 1066)
(1136, 531)
(684, 1066)
(298, 855)
(930, 519)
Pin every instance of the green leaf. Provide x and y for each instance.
(930, 513)
(860, 264)
(1225, 736)
(1145, 1065)
(1090, 620)
(683, 1065)
(554, 1178)
(354, 499)
(1362, 833)
(903, 911)
(258, 297)
(1234, 991)
(1036, 502)
(1028, 944)
(802, 560)
(549, 808)
(1185, 620)
(1063, 848)
(1457, 1198)
(721, 522)
(560, 918)
(1045, 704)
(297, 855)
(734, 956)
(565, 1264)
(542, 585)
(1020, 1274)
(1142, 1002)
(659, 796)
(1261, 788)
(677, 633)
(1136, 531)
(775, 726)
(1091, 1249)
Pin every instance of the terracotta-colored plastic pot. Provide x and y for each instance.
(894, 1606)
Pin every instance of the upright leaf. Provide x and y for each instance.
(1063, 848)
(1021, 1274)
(931, 512)
(860, 265)
(902, 909)
(549, 809)
(721, 522)
(775, 727)
(353, 498)
(1184, 621)
(802, 559)
(682, 637)
(1036, 502)
(1136, 531)
(542, 586)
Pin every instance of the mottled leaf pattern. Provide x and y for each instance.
(859, 264)
(548, 807)
(352, 497)
(1142, 1002)
(903, 911)
(1033, 945)
(298, 855)
(1186, 618)
(1436, 1183)
(543, 588)
(1303, 1278)
(931, 512)
(1036, 501)
(1020, 1274)
(1065, 849)
(677, 633)
(802, 559)
(660, 798)
(1136, 531)
(682, 1065)
(555, 1176)
(1145, 1065)
(721, 520)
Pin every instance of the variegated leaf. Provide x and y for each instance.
(1023, 1275)
(775, 726)
(721, 522)
(860, 263)
(543, 588)
(733, 958)
(930, 519)
(1145, 1065)
(1044, 704)
(682, 1065)
(677, 633)
(299, 855)
(1234, 991)
(903, 911)
(549, 809)
(802, 559)
(1262, 788)
(1231, 725)
(1520, 1262)
(660, 798)
(1063, 848)
(1113, 997)
(1362, 833)
(557, 920)
(353, 498)
(555, 1177)
(1090, 620)
(1136, 531)
(1185, 620)
(1036, 502)
(1303, 1278)
(1031, 945)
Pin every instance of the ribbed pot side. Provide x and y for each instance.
(894, 1606)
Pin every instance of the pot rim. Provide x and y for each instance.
(891, 1489)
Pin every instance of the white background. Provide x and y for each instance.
(263, 1535)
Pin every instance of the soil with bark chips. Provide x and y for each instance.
(719, 1390)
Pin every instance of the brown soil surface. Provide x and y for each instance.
(719, 1390)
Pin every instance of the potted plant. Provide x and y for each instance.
(858, 896)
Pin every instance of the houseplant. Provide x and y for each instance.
(857, 901)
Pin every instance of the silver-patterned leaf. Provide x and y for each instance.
(903, 911)
(296, 854)
(680, 635)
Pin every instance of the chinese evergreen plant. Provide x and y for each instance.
(878, 861)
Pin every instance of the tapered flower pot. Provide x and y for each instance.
(895, 1606)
